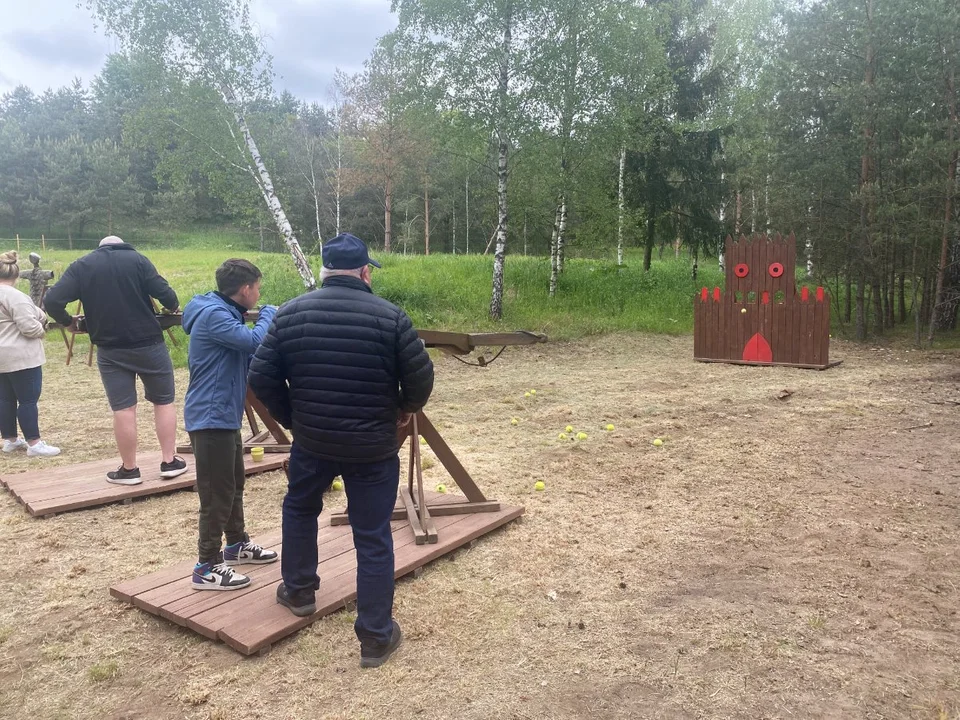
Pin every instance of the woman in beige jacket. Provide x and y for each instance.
(22, 329)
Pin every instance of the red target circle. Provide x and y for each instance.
(741, 270)
(776, 270)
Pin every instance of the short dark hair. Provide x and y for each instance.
(234, 274)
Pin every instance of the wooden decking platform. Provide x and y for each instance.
(250, 620)
(49, 491)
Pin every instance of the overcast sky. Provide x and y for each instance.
(48, 43)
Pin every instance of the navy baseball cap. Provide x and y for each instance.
(346, 252)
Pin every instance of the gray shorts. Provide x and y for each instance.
(119, 368)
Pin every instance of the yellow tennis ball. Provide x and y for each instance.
(610, 427)
(423, 441)
(514, 421)
(569, 428)
(533, 392)
(526, 394)
(538, 486)
(561, 436)
(337, 485)
(441, 488)
(581, 436)
(658, 442)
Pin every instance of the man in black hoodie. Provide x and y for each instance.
(115, 284)
(344, 369)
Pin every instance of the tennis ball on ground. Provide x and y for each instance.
(610, 427)
(441, 488)
(658, 442)
(539, 485)
(423, 441)
(561, 436)
(533, 392)
(526, 394)
(569, 428)
(581, 436)
(514, 421)
(337, 485)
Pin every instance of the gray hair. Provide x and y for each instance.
(111, 240)
(327, 272)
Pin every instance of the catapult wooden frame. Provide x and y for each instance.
(412, 504)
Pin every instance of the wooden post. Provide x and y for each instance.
(43, 242)
(18, 243)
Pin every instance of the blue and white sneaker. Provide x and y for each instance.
(207, 576)
(243, 553)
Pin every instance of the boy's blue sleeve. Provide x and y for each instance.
(225, 329)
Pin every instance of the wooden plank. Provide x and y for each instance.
(260, 607)
(697, 327)
(250, 619)
(98, 486)
(436, 510)
(449, 461)
(280, 623)
(128, 589)
(816, 346)
(419, 533)
(180, 606)
(717, 321)
(825, 331)
(84, 485)
(777, 364)
(272, 425)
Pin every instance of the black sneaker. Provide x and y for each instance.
(243, 553)
(374, 654)
(177, 466)
(217, 576)
(300, 602)
(122, 476)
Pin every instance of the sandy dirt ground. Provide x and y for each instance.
(791, 551)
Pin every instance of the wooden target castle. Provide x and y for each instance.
(760, 318)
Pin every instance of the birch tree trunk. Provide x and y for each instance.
(466, 212)
(561, 236)
(388, 216)
(426, 217)
(270, 197)
(339, 188)
(496, 301)
(316, 203)
(620, 213)
(553, 252)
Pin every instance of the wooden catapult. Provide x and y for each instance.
(760, 318)
(412, 502)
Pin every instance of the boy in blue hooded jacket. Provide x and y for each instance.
(221, 346)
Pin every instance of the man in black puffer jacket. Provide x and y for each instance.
(344, 369)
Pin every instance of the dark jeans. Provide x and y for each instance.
(218, 455)
(19, 393)
(371, 496)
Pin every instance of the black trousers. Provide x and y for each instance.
(218, 455)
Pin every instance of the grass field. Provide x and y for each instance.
(447, 292)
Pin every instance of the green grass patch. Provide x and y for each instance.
(452, 292)
(104, 671)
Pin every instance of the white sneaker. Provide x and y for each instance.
(41, 449)
(11, 445)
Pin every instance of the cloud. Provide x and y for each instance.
(309, 41)
(59, 47)
(43, 45)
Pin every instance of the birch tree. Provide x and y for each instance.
(480, 52)
(213, 42)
